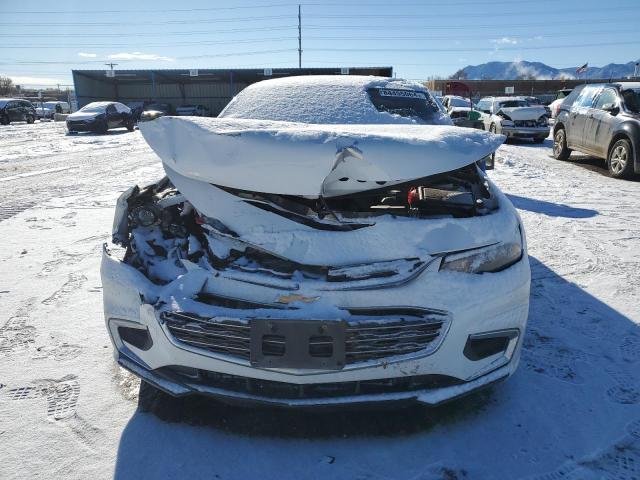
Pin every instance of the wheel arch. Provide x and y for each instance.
(629, 132)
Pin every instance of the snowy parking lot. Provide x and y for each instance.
(572, 411)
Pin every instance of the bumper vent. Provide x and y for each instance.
(371, 334)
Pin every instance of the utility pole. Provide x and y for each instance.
(299, 37)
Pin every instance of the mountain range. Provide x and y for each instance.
(539, 71)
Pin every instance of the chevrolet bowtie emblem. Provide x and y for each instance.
(294, 297)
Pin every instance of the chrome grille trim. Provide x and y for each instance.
(372, 334)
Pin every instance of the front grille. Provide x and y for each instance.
(462, 114)
(284, 390)
(525, 123)
(371, 334)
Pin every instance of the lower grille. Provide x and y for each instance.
(284, 390)
(370, 334)
(525, 123)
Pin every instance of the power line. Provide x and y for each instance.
(165, 22)
(191, 57)
(396, 4)
(158, 45)
(605, 44)
(146, 34)
(387, 26)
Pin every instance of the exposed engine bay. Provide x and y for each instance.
(162, 228)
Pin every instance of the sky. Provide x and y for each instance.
(42, 41)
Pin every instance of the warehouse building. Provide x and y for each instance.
(213, 88)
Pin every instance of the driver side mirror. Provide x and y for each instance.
(612, 108)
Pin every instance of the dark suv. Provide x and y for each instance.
(16, 110)
(602, 120)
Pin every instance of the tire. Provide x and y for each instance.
(30, 119)
(560, 149)
(620, 160)
(130, 125)
(492, 128)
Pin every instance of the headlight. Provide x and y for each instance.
(543, 121)
(487, 259)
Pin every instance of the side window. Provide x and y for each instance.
(608, 96)
(484, 106)
(111, 109)
(585, 99)
(11, 105)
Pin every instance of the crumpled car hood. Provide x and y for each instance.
(524, 113)
(310, 160)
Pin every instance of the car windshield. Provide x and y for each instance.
(632, 100)
(91, 108)
(513, 103)
(459, 102)
(405, 103)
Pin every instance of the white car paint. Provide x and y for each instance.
(203, 158)
(500, 115)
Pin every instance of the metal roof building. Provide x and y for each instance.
(213, 88)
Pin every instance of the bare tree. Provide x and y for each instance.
(6, 86)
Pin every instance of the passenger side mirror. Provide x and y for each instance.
(612, 108)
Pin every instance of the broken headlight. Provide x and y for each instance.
(487, 259)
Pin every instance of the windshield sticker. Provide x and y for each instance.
(386, 92)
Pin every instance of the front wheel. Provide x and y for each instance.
(560, 149)
(30, 119)
(620, 161)
(130, 125)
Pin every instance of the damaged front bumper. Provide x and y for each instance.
(498, 307)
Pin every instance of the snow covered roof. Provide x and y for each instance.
(4, 101)
(628, 85)
(320, 99)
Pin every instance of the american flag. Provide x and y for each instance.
(582, 69)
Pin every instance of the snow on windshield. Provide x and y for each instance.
(93, 107)
(327, 99)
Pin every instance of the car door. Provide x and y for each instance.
(599, 123)
(13, 111)
(484, 107)
(113, 117)
(578, 115)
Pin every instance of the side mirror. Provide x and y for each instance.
(612, 108)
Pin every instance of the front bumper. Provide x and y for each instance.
(486, 303)
(84, 125)
(525, 132)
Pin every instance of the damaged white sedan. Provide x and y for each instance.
(325, 240)
(514, 117)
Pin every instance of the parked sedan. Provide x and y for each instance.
(16, 110)
(513, 117)
(340, 247)
(602, 120)
(192, 111)
(49, 109)
(100, 117)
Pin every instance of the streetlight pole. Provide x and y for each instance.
(299, 37)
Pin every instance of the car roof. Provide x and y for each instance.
(627, 85)
(319, 99)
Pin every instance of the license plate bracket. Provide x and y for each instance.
(299, 344)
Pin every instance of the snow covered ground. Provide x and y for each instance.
(572, 411)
